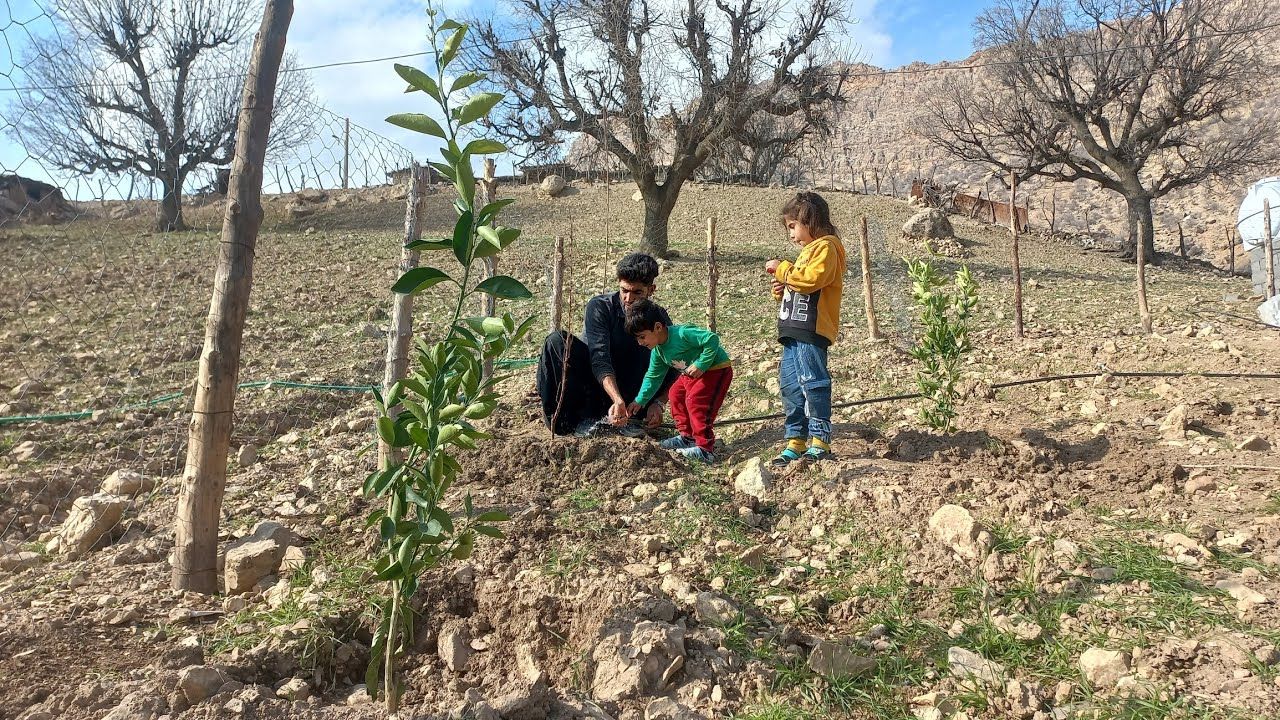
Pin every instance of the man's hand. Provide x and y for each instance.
(772, 266)
(634, 408)
(653, 416)
(618, 414)
(694, 371)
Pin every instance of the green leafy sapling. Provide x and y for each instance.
(431, 413)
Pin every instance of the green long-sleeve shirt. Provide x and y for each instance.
(686, 345)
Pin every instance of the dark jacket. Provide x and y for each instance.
(614, 351)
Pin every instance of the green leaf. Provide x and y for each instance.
(462, 237)
(444, 170)
(465, 80)
(489, 530)
(452, 45)
(484, 147)
(417, 122)
(505, 287)
(387, 429)
(386, 529)
(394, 571)
(433, 244)
(419, 80)
(418, 279)
(441, 516)
(476, 107)
(488, 211)
(490, 235)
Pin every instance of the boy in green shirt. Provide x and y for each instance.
(698, 393)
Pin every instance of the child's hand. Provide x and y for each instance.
(694, 371)
(772, 266)
(634, 408)
(776, 287)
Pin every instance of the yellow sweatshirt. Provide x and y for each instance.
(813, 284)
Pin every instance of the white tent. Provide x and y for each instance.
(1249, 219)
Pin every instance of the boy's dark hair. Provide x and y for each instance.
(809, 208)
(642, 316)
(638, 268)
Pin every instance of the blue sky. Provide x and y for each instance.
(889, 34)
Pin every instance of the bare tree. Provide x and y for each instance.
(660, 91)
(1141, 97)
(150, 88)
(765, 147)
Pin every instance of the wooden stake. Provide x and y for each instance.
(1231, 253)
(398, 336)
(1017, 261)
(1269, 249)
(868, 292)
(1182, 243)
(713, 274)
(195, 552)
(557, 284)
(488, 306)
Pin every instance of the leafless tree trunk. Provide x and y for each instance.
(1126, 94)
(401, 330)
(204, 479)
(659, 90)
(148, 87)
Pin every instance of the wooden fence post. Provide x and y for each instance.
(1017, 261)
(401, 330)
(346, 153)
(557, 284)
(488, 306)
(868, 292)
(1182, 243)
(1231, 253)
(195, 550)
(1269, 250)
(713, 274)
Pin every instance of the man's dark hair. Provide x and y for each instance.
(642, 316)
(638, 268)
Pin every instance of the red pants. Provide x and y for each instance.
(696, 402)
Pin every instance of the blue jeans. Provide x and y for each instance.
(806, 390)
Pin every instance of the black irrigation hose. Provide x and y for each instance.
(1027, 381)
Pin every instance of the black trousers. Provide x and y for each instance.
(569, 392)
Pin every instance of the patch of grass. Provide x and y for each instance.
(584, 499)
(1173, 707)
(1141, 562)
(1007, 538)
(561, 562)
(775, 710)
(1272, 505)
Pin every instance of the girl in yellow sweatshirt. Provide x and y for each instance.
(809, 291)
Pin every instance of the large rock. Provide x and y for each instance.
(454, 648)
(753, 479)
(89, 525)
(200, 682)
(1254, 443)
(929, 224)
(249, 562)
(1103, 668)
(19, 561)
(26, 450)
(553, 185)
(127, 482)
(834, 660)
(966, 664)
(1246, 597)
(956, 528)
(143, 704)
(631, 661)
(714, 610)
(1174, 425)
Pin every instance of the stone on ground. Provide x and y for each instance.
(89, 524)
(200, 682)
(553, 185)
(836, 660)
(631, 661)
(955, 527)
(127, 482)
(966, 664)
(1103, 668)
(753, 479)
(928, 224)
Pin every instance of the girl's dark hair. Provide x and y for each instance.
(810, 209)
(642, 317)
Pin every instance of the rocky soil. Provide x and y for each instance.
(1098, 547)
